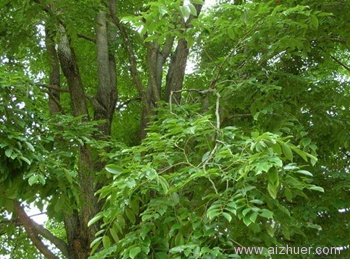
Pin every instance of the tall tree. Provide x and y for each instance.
(130, 155)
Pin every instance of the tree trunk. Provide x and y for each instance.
(176, 72)
(78, 234)
(54, 78)
(107, 79)
(155, 63)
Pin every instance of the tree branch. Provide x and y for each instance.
(53, 87)
(340, 63)
(86, 38)
(131, 55)
(33, 230)
(122, 104)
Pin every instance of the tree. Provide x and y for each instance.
(130, 156)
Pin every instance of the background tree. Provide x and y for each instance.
(95, 98)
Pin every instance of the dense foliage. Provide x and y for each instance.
(131, 155)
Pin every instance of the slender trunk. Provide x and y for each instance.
(54, 77)
(107, 80)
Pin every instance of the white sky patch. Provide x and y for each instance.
(35, 214)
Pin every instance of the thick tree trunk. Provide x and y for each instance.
(78, 234)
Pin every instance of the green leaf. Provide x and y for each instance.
(114, 234)
(185, 12)
(213, 213)
(114, 169)
(96, 242)
(95, 219)
(265, 213)
(287, 151)
(246, 220)
(316, 188)
(193, 9)
(227, 216)
(270, 230)
(314, 22)
(253, 216)
(300, 152)
(134, 251)
(41, 179)
(272, 189)
(8, 152)
(130, 182)
(304, 172)
(273, 182)
(106, 242)
(131, 216)
(257, 201)
(25, 160)
(164, 184)
(33, 179)
(179, 239)
(288, 194)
